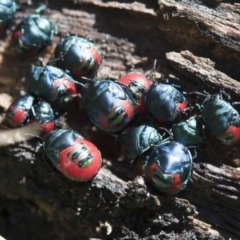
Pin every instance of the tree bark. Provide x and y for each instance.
(197, 47)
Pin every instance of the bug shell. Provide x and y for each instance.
(18, 112)
(188, 133)
(137, 139)
(7, 13)
(50, 83)
(164, 103)
(108, 105)
(221, 120)
(168, 167)
(43, 117)
(78, 55)
(137, 85)
(76, 157)
(33, 35)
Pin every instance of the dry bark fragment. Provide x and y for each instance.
(132, 6)
(220, 192)
(220, 23)
(202, 71)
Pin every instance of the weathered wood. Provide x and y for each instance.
(216, 191)
(218, 22)
(135, 6)
(202, 71)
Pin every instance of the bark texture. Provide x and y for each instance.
(196, 45)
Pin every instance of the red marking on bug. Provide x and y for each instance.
(235, 130)
(16, 35)
(149, 171)
(68, 85)
(18, 116)
(95, 54)
(90, 61)
(135, 76)
(175, 182)
(142, 86)
(121, 120)
(71, 169)
(182, 106)
(27, 51)
(45, 128)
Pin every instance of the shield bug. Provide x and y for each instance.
(189, 132)
(76, 157)
(108, 105)
(43, 117)
(137, 85)
(168, 167)
(7, 12)
(78, 55)
(33, 35)
(50, 83)
(137, 139)
(18, 112)
(164, 103)
(221, 119)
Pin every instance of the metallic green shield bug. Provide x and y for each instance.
(221, 119)
(135, 140)
(7, 12)
(33, 35)
(188, 133)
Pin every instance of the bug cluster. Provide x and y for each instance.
(133, 108)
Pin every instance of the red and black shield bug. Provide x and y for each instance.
(137, 139)
(108, 105)
(26, 109)
(76, 157)
(79, 56)
(164, 103)
(221, 119)
(7, 13)
(18, 112)
(43, 116)
(50, 83)
(168, 167)
(137, 85)
(33, 35)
